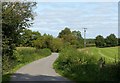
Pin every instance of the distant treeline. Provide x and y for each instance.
(109, 41)
(90, 42)
(100, 41)
(66, 37)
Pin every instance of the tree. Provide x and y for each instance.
(56, 44)
(15, 17)
(99, 41)
(64, 32)
(27, 37)
(67, 36)
(90, 42)
(73, 38)
(43, 41)
(47, 40)
(35, 35)
(79, 39)
(111, 40)
(38, 43)
(77, 34)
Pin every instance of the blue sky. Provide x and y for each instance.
(101, 18)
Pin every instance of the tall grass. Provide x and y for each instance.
(23, 56)
(28, 54)
(79, 66)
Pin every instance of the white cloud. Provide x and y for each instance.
(97, 17)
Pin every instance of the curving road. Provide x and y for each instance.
(40, 70)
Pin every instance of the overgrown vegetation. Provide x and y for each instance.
(22, 56)
(80, 66)
(109, 41)
(15, 17)
(66, 37)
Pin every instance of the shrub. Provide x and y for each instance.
(79, 66)
(24, 55)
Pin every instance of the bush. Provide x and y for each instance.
(56, 45)
(30, 54)
(23, 55)
(79, 66)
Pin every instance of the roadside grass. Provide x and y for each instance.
(82, 66)
(23, 56)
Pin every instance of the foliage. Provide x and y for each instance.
(22, 56)
(38, 43)
(72, 38)
(27, 37)
(78, 42)
(56, 45)
(111, 40)
(64, 32)
(99, 41)
(77, 34)
(47, 40)
(90, 42)
(66, 37)
(79, 66)
(15, 17)
(30, 54)
(43, 41)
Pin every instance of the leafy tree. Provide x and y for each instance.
(56, 44)
(99, 41)
(77, 34)
(38, 43)
(15, 17)
(90, 42)
(79, 39)
(73, 38)
(47, 40)
(43, 41)
(35, 35)
(67, 35)
(27, 37)
(64, 32)
(111, 40)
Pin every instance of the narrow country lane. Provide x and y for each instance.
(40, 70)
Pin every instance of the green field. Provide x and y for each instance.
(110, 54)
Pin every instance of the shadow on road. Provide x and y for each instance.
(26, 78)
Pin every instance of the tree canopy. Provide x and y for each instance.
(99, 41)
(109, 41)
(15, 17)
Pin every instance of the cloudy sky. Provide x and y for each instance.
(101, 18)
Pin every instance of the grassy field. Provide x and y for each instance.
(83, 64)
(23, 56)
(110, 54)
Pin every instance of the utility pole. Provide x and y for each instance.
(84, 37)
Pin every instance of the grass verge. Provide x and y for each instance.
(23, 56)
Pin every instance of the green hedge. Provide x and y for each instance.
(79, 66)
(22, 56)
